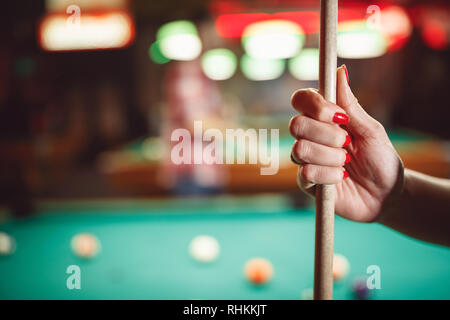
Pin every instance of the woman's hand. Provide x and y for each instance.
(341, 144)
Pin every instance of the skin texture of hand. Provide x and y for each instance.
(366, 171)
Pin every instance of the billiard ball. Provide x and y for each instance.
(360, 289)
(204, 248)
(7, 244)
(258, 270)
(85, 245)
(341, 267)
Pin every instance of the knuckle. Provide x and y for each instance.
(300, 125)
(343, 156)
(336, 136)
(376, 129)
(320, 173)
(317, 102)
(339, 140)
(308, 173)
(303, 149)
(341, 137)
(321, 113)
(292, 126)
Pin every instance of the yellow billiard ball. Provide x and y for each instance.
(7, 244)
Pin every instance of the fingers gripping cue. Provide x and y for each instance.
(323, 261)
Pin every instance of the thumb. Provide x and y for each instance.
(360, 122)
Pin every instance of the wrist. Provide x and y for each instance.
(396, 201)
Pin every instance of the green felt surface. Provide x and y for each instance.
(144, 252)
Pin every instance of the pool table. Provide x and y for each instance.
(144, 251)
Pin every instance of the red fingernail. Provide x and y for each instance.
(347, 158)
(348, 140)
(340, 118)
(345, 174)
(346, 72)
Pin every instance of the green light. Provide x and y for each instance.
(219, 64)
(179, 40)
(156, 55)
(262, 69)
(176, 28)
(305, 66)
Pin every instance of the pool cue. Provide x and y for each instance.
(323, 261)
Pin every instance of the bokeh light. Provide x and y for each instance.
(396, 25)
(305, 66)
(219, 64)
(262, 69)
(179, 40)
(110, 30)
(434, 34)
(156, 55)
(273, 39)
(357, 41)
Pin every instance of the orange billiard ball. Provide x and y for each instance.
(258, 270)
(85, 245)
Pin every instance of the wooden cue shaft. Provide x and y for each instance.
(323, 262)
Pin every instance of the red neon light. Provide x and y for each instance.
(351, 14)
(434, 34)
(232, 25)
(308, 20)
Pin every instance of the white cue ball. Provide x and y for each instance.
(204, 248)
(7, 244)
(85, 245)
(341, 266)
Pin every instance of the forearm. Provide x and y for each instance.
(422, 209)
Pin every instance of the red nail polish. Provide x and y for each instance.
(345, 174)
(340, 118)
(346, 72)
(347, 158)
(348, 140)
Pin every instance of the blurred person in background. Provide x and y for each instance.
(190, 96)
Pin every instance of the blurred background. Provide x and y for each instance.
(90, 91)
